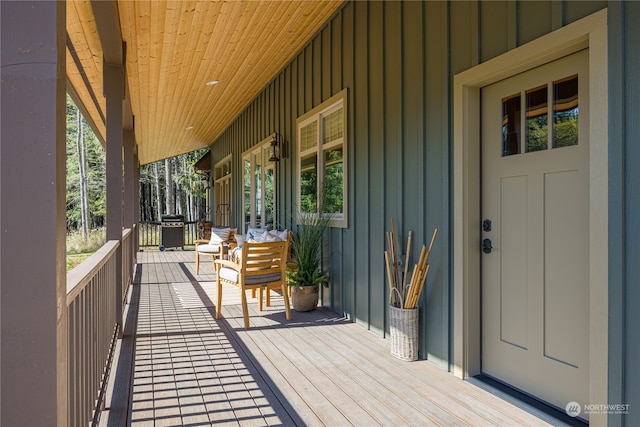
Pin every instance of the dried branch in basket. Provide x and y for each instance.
(402, 295)
(419, 275)
(392, 261)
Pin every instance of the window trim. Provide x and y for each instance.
(249, 155)
(332, 104)
(225, 177)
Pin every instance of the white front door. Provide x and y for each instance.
(535, 211)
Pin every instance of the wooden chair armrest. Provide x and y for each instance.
(207, 241)
(227, 263)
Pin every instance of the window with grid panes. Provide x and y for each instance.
(259, 180)
(322, 148)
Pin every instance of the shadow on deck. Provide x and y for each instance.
(178, 365)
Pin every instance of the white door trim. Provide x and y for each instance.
(589, 32)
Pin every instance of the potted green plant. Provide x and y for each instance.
(307, 245)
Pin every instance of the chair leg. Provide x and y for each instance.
(253, 293)
(245, 310)
(197, 262)
(219, 296)
(286, 301)
(260, 298)
(268, 296)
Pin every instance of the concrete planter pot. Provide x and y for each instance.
(304, 298)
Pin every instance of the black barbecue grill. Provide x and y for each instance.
(172, 231)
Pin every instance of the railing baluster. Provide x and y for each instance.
(92, 326)
(83, 350)
(73, 332)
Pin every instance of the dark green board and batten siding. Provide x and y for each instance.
(624, 209)
(397, 150)
(397, 61)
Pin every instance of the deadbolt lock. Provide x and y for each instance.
(486, 246)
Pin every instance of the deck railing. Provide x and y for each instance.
(151, 233)
(93, 326)
(128, 260)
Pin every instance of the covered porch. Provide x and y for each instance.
(173, 363)
(177, 365)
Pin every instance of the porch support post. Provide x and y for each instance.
(130, 188)
(33, 306)
(136, 196)
(129, 184)
(114, 94)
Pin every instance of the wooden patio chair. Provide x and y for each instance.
(216, 246)
(260, 265)
(291, 264)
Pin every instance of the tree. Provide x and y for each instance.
(172, 183)
(173, 186)
(170, 207)
(158, 193)
(85, 173)
(82, 168)
(537, 133)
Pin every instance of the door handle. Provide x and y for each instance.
(486, 246)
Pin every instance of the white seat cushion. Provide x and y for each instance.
(231, 275)
(208, 249)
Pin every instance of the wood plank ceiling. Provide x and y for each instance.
(173, 48)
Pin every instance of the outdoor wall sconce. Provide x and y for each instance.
(275, 145)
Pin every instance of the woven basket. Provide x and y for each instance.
(403, 324)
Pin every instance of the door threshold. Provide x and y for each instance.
(526, 402)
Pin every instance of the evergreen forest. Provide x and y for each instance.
(170, 186)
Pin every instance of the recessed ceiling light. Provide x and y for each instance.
(189, 128)
(212, 82)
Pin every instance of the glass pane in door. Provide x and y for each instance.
(246, 182)
(565, 112)
(269, 198)
(511, 125)
(258, 183)
(537, 117)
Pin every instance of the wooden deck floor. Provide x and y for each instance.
(316, 370)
